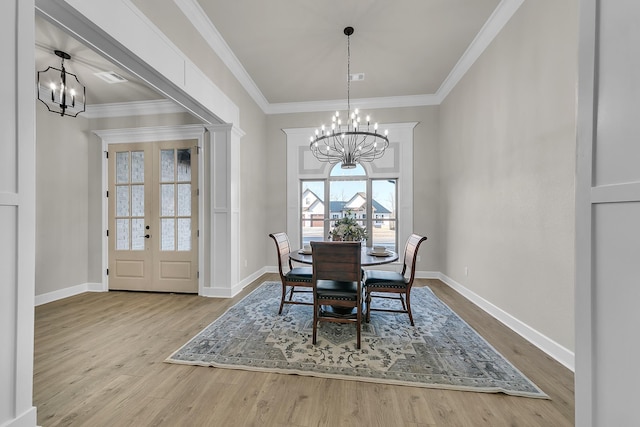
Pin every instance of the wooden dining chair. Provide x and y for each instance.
(394, 285)
(337, 284)
(294, 279)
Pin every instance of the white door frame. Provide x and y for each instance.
(153, 134)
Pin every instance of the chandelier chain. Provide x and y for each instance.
(349, 75)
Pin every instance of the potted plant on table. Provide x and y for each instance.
(348, 229)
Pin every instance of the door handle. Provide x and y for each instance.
(146, 236)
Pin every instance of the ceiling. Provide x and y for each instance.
(296, 51)
(85, 62)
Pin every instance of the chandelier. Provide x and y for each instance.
(61, 91)
(352, 141)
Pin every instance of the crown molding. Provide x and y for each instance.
(362, 103)
(150, 134)
(137, 108)
(199, 19)
(498, 19)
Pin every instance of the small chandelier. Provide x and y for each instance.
(61, 91)
(353, 141)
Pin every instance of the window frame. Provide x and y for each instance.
(367, 218)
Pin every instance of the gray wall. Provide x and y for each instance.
(507, 140)
(62, 211)
(253, 147)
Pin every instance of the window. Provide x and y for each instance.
(389, 181)
(351, 192)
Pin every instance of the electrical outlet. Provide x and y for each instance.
(245, 262)
(466, 271)
(418, 258)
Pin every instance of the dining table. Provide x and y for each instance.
(367, 258)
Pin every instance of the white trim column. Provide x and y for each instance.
(17, 214)
(224, 205)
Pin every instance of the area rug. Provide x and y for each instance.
(441, 351)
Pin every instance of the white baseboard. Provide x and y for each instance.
(26, 419)
(428, 275)
(214, 292)
(68, 292)
(544, 343)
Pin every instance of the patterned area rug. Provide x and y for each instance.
(441, 351)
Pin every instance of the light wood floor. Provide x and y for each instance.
(99, 362)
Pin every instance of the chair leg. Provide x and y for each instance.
(409, 308)
(367, 305)
(358, 324)
(284, 295)
(404, 307)
(315, 321)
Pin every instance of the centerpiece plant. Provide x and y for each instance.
(348, 229)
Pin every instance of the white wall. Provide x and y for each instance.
(607, 212)
(507, 141)
(17, 213)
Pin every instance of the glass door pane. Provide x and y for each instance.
(312, 215)
(348, 198)
(384, 213)
(129, 198)
(175, 200)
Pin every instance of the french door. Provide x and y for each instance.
(153, 216)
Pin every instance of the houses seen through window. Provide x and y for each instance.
(372, 202)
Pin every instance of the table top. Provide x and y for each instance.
(366, 258)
